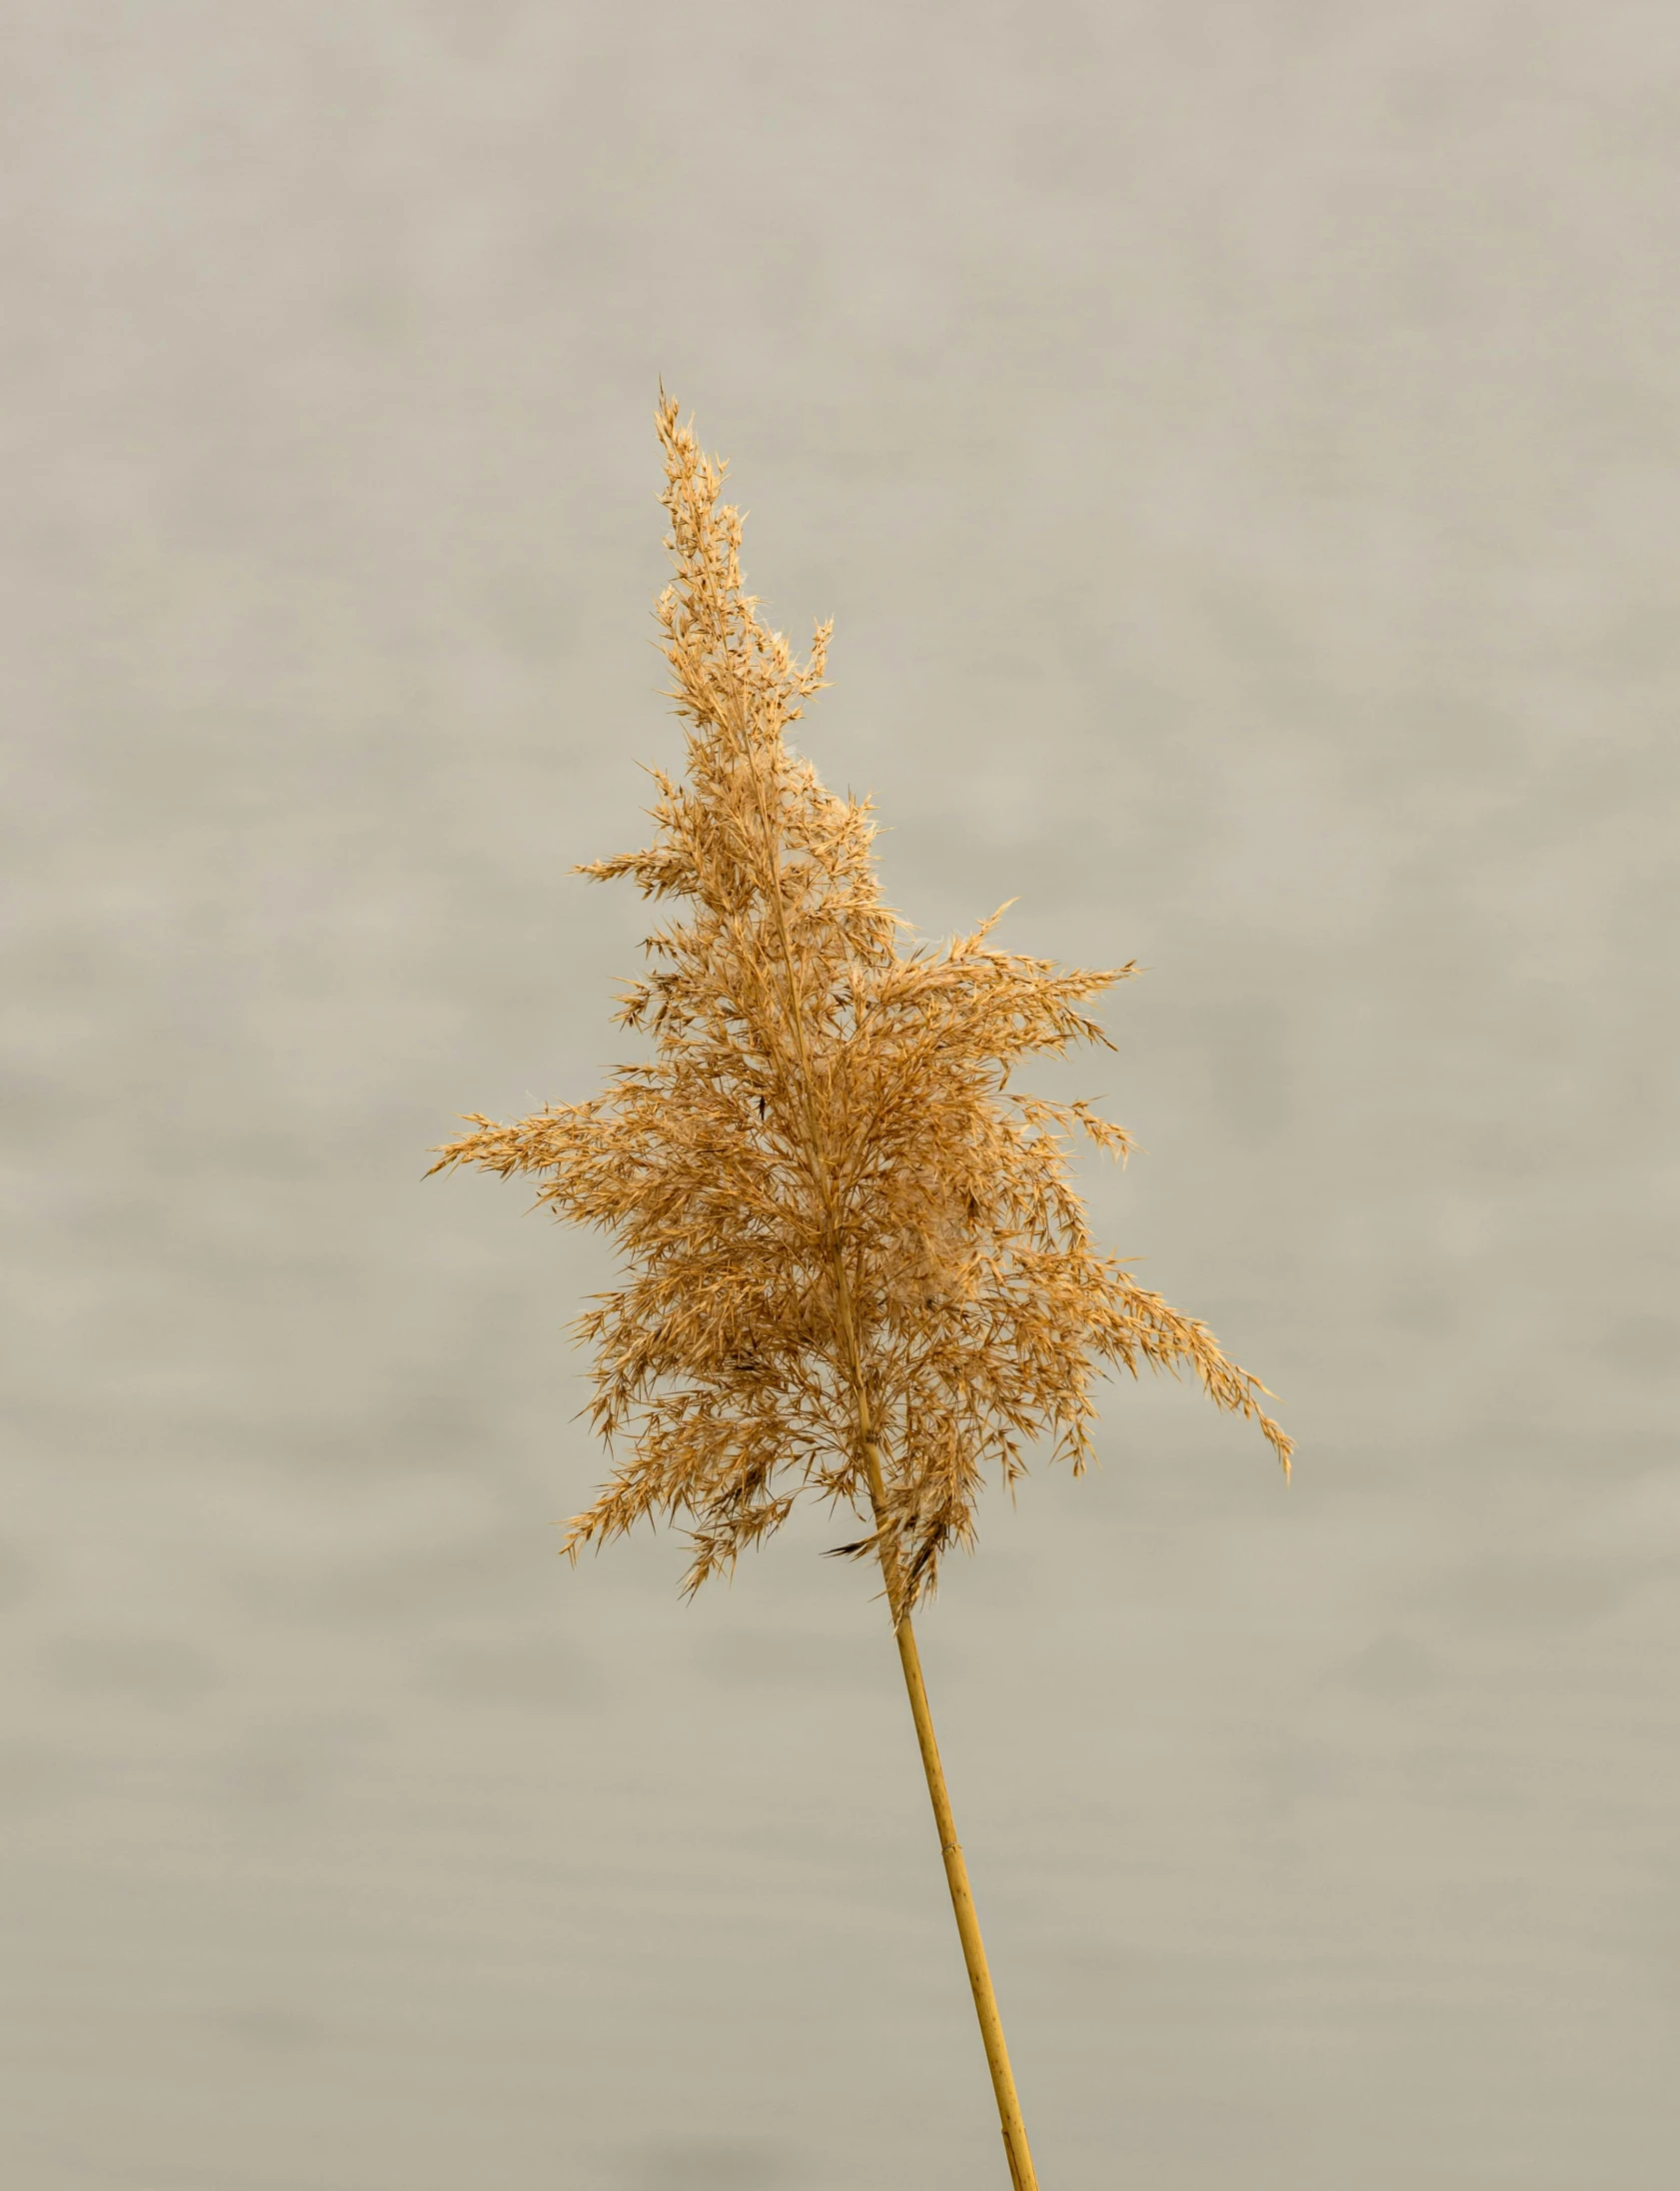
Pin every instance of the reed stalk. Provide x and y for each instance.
(1022, 2175)
(855, 1258)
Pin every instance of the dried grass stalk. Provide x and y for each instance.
(854, 1262)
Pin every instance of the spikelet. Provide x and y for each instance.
(839, 1224)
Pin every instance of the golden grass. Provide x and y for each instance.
(825, 1138)
(854, 1262)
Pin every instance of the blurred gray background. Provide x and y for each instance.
(1237, 447)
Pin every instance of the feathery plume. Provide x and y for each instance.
(854, 1262)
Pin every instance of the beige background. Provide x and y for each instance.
(1237, 446)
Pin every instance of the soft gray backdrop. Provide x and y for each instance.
(1237, 445)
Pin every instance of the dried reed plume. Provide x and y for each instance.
(854, 1262)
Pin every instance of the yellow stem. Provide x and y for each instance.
(1022, 2176)
(1021, 2173)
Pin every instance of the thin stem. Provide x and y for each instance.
(1021, 2173)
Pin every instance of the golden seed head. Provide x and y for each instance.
(840, 1230)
